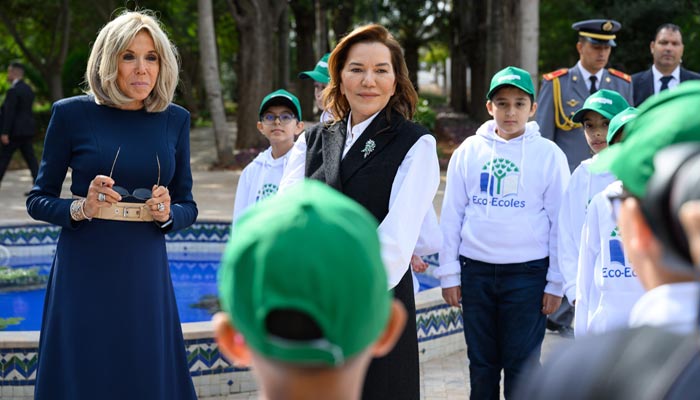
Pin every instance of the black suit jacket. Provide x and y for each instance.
(17, 117)
(644, 83)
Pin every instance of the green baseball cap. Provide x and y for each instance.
(314, 251)
(512, 76)
(281, 97)
(320, 72)
(665, 119)
(607, 103)
(619, 121)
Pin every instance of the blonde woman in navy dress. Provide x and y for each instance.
(110, 327)
(373, 153)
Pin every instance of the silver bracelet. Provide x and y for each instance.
(75, 213)
(82, 210)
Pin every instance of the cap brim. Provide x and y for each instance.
(578, 116)
(495, 89)
(609, 42)
(280, 101)
(318, 77)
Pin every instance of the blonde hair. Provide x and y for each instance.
(113, 39)
(405, 97)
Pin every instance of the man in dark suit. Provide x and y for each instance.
(17, 126)
(666, 72)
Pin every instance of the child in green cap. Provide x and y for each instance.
(321, 79)
(595, 115)
(289, 283)
(280, 122)
(606, 284)
(498, 259)
(658, 214)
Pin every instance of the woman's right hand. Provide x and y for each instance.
(101, 184)
(453, 296)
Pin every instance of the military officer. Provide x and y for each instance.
(563, 91)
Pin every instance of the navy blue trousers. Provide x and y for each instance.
(503, 321)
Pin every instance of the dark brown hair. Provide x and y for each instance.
(405, 97)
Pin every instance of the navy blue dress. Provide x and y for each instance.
(110, 327)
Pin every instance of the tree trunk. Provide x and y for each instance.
(510, 17)
(342, 13)
(410, 54)
(306, 59)
(283, 58)
(529, 37)
(255, 64)
(212, 83)
(477, 56)
(458, 55)
(321, 28)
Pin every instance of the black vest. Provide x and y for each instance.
(366, 176)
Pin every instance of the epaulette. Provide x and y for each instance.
(620, 74)
(555, 74)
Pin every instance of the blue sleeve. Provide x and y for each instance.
(44, 203)
(183, 207)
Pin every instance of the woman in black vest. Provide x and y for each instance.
(374, 154)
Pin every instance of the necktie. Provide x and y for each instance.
(664, 82)
(593, 79)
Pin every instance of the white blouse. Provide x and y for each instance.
(412, 193)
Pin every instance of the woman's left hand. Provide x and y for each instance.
(159, 203)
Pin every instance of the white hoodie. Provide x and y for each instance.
(509, 216)
(572, 214)
(606, 286)
(259, 180)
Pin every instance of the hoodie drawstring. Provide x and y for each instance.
(521, 181)
(488, 185)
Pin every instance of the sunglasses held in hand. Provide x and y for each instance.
(139, 193)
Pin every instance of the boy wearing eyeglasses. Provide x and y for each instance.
(280, 122)
(606, 284)
(595, 115)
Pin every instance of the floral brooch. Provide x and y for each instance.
(369, 147)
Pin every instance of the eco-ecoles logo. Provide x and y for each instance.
(618, 267)
(499, 178)
(504, 176)
(266, 191)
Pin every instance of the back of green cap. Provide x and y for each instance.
(313, 251)
(667, 118)
(619, 121)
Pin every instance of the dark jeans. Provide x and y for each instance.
(24, 144)
(503, 321)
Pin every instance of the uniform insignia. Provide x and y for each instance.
(555, 74)
(572, 102)
(607, 79)
(574, 78)
(607, 26)
(620, 74)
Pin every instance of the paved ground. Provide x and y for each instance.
(442, 379)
